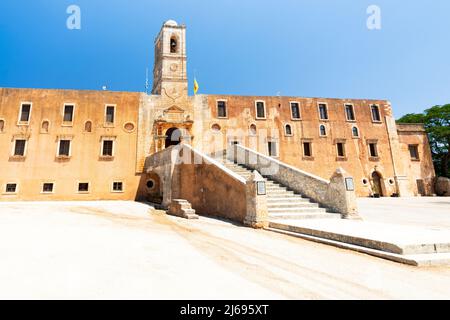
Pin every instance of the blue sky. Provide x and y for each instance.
(316, 48)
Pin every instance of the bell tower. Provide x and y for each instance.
(169, 71)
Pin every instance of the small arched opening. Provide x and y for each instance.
(377, 184)
(173, 44)
(173, 137)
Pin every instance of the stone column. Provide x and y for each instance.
(257, 215)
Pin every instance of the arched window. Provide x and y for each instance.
(2, 125)
(355, 132)
(173, 44)
(88, 126)
(288, 130)
(323, 130)
(45, 126)
(253, 130)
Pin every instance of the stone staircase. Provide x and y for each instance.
(282, 203)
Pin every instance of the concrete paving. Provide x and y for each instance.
(410, 230)
(118, 250)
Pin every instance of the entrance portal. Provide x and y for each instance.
(376, 184)
(173, 137)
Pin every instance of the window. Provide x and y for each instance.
(253, 130)
(19, 147)
(110, 110)
(173, 45)
(355, 132)
(83, 187)
(2, 125)
(307, 150)
(216, 128)
(221, 109)
(288, 130)
(414, 152)
(322, 130)
(68, 113)
(323, 111)
(47, 188)
(150, 184)
(272, 145)
(117, 186)
(260, 110)
(25, 113)
(375, 113)
(107, 148)
(11, 188)
(88, 126)
(349, 112)
(64, 148)
(373, 150)
(340, 149)
(295, 110)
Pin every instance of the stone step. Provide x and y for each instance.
(288, 200)
(300, 216)
(284, 197)
(293, 204)
(280, 191)
(298, 210)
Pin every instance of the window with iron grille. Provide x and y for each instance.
(11, 188)
(118, 186)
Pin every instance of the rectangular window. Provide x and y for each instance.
(107, 150)
(68, 113)
(307, 150)
(64, 148)
(260, 110)
(376, 117)
(414, 152)
(47, 188)
(11, 188)
(110, 114)
(295, 110)
(272, 145)
(83, 187)
(221, 109)
(117, 186)
(25, 112)
(340, 149)
(349, 112)
(19, 148)
(323, 111)
(373, 150)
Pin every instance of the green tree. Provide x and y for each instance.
(437, 125)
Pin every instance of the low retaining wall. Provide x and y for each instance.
(210, 187)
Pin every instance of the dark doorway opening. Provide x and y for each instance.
(173, 137)
(376, 185)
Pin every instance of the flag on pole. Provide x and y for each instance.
(196, 87)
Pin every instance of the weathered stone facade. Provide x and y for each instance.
(143, 125)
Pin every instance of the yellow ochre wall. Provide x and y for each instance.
(41, 164)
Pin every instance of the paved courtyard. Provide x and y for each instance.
(115, 250)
